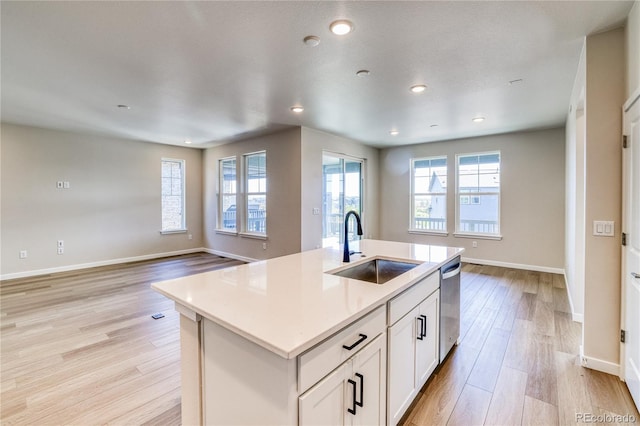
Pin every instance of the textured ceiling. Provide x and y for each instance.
(214, 72)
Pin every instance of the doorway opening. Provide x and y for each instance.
(342, 189)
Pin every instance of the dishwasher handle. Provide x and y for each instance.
(452, 273)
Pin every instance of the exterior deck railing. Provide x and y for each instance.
(475, 226)
(256, 222)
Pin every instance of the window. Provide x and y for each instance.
(478, 194)
(256, 192)
(429, 194)
(173, 216)
(228, 194)
(342, 182)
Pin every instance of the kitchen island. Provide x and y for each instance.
(257, 339)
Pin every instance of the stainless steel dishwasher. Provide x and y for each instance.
(449, 306)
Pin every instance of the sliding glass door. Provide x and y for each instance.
(342, 187)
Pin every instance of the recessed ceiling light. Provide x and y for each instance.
(297, 109)
(341, 27)
(478, 119)
(363, 73)
(124, 106)
(311, 40)
(394, 132)
(188, 142)
(418, 88)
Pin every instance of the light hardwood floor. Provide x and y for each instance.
(81, 348)
(517, 362)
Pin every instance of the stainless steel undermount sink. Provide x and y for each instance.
(377, 271)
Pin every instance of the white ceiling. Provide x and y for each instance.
(214, 72)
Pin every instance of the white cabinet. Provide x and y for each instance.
(413, 349)
(353, 394)
(427, 347)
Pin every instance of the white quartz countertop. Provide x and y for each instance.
(289, 304)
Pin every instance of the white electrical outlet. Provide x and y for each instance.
(264, 246)
(60, 250)
(316, 211)
(66, 184)
(474, 244)
(190, 237)
(60, 243)
(23, 254)
(59, 184)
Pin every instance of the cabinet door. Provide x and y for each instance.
(403, 336)
(427, 354)
(370, 374)
(326, 402)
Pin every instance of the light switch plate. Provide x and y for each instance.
(603, 228)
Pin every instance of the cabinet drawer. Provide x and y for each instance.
(318, 361)
(410, 298)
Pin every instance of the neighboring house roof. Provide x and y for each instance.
(435, 185)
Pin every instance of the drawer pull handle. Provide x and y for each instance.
(354, 403)
(360, 340)
(421, 319)
(361, 403)
(424, 326)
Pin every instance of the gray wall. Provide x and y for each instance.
(283, 197)
(594, 192)
(532, 197)
(111, 211)
(605, 94)
(632, 40)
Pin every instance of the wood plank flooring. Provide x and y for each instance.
(80, 348)
(517, 362)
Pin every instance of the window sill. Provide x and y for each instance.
(253, 235)
(174, 231)
(226, 232)
(423, 232)
(477, 236)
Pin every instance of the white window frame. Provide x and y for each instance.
(222, 194)
(245, 220)
(183, 178)
(479, 235)
(413, 195)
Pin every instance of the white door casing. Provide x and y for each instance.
(630, 350)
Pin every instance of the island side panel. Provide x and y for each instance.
(191, 365)
(243, 383)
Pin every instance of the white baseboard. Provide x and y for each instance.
(230, 255)
(68, 268)
(598, 364)
(515, 265)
